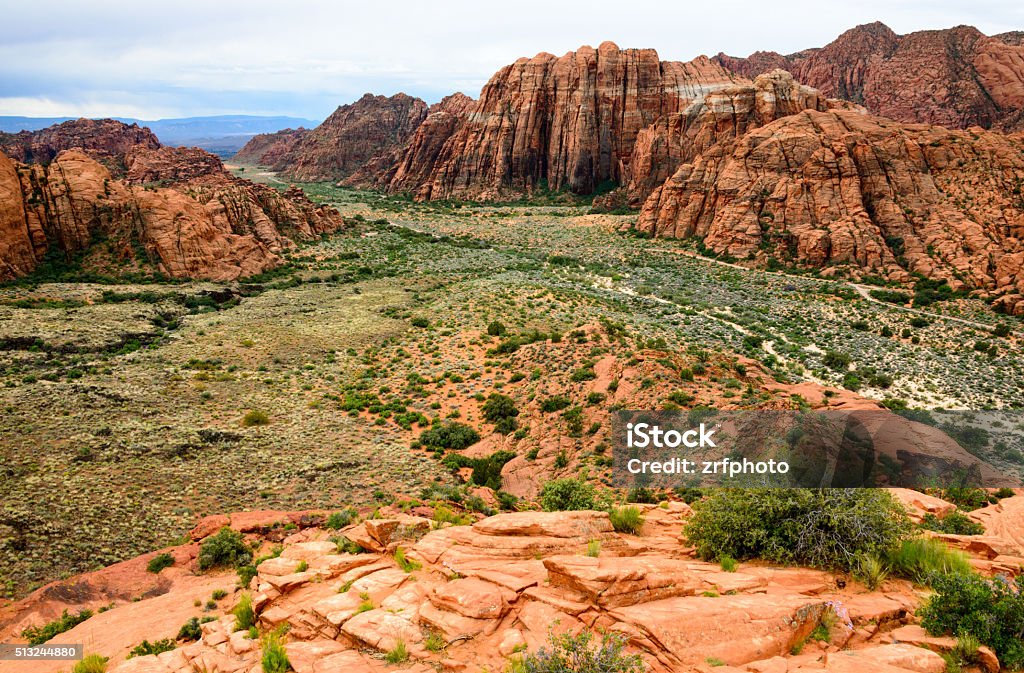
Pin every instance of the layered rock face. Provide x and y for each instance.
(501, 586)
(406, 169)
(352, 135)
(106, 140)
(270, 149)
(176, 210)
(843, 189)
(956, 77)
(565, 122)
(720, 116)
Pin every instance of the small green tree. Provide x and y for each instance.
(226, 549)
(559, 495)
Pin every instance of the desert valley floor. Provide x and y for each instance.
(131, 410)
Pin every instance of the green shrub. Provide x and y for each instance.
(398, 654)
(560, 495)
(919, 559)
(990, 610)
(91, 663)
(245, 616)
(728, 563)
(37, 635)
(836, 361)
(420, 322)
(955, 523)
(449, 435)
(190, 630)
(826, 528)
(627, 520)
(496, 329)
(965, 497)
(405, 563)
(341, 519)
(555, 403)
(275, 658)
(641, 494)
(255, 417)
(157, 647)
(870, 571)
(434, 642)
(567, 653)
(246, 573)
(159, 562)
(226, 549)
(501, 410)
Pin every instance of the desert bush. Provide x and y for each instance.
(567, 653)
(501, 410)
(956, 523)
(728, 563)
(275, 658)
(449, 435)
(560, 495)
(870, 570)
(91, 663)
(826, 528)
(245, 616)
(990, 610)
(156, 647)
(555, 403)
(627, 520)
(159, 562)
(398, 654)
(404, 562)
(919, 559)
(190, 630)
(835, 360)
(341, 519)
(37, 635)
(255, 417)
(225, 549)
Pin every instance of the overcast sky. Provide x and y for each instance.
(192, 57)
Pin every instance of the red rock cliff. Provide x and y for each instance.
(956, 77)
(565, 122)
(353, 135)
(844, 190)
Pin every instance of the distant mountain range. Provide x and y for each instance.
(223, 134)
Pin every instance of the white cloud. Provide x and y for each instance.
(197, 56)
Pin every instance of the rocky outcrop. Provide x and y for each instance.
(720, 116)
(406, 169)
(566, 122)
(956, 78)
(270, 149)
(203, 224)
(485, 593)
(106, 140)
(354, 134)
(841, 190)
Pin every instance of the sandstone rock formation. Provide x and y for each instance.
(199, 223)
(566, 122)
(956, 77)
(351, 136)
(405, 169)
(841, 190)
(488, 591)
(720, 116)
(106, 140)
(270, 149)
